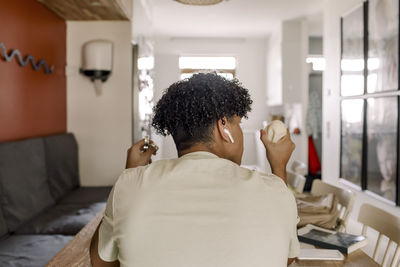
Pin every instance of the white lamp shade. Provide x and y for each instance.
(97, 55)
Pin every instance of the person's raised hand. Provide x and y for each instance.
(137, 157)
(278, 154)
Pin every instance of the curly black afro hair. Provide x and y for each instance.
(189, 108)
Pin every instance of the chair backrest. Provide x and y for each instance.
(345, 197)
(299, 167)
(297, 181)
(387, 225)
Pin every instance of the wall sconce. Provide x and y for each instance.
(97, 61)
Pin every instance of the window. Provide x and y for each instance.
(225, 66)
(318, 62)
(370, 99)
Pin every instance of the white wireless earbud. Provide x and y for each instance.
(229, 135)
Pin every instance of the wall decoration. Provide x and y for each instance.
(32, 103)
(23, 62)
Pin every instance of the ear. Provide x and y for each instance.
(221, 125)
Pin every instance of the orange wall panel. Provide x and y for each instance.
(31, 102)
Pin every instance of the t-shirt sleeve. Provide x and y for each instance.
(294, 245)
(108, 249)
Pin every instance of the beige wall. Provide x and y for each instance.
(102, 125)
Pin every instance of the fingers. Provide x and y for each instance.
(271, 145)
(139, 145)
(152, 150)
(286, 137)
(264, 138)
(142, 143)
(138, 156)
(263, 135)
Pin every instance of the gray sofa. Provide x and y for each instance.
(42, 205)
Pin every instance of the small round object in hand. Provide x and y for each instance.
(275, 130)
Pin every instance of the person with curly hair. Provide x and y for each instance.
(202, 208)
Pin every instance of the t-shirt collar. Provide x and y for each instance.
(199, 155)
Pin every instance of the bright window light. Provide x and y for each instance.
(373, 63)
(352, 64)
(358, 64)
(145, 63)
(186, 75)
(228, 76)
(352, 84)
(207, 63)
(318, 63)
(351, 110)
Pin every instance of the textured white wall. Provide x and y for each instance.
(102, 125)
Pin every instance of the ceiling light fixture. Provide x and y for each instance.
(199, 2)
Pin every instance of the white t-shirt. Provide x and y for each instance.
(198, 210)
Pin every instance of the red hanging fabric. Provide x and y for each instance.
(313, 160)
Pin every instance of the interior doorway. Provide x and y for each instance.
(314, 111)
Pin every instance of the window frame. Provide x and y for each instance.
(365, 96)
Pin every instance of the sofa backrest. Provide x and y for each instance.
(23, 181)
(61, 163)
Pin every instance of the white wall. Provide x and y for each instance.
(274, 69)
(166, 72)
(142, 20)
(295, 82)
(102, 125)
(287, 80)
(251, 69)
(333, 9)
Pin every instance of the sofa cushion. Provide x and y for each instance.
(66, 219)
(24, 188)
(3, 225)
(86, 195)
(62, 163)
(30, 250)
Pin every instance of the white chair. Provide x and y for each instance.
(345, 198)
(299, 167)
(387, 225)
(297, 181)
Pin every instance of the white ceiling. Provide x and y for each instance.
(231, 18)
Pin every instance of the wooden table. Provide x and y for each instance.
(76, 252)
